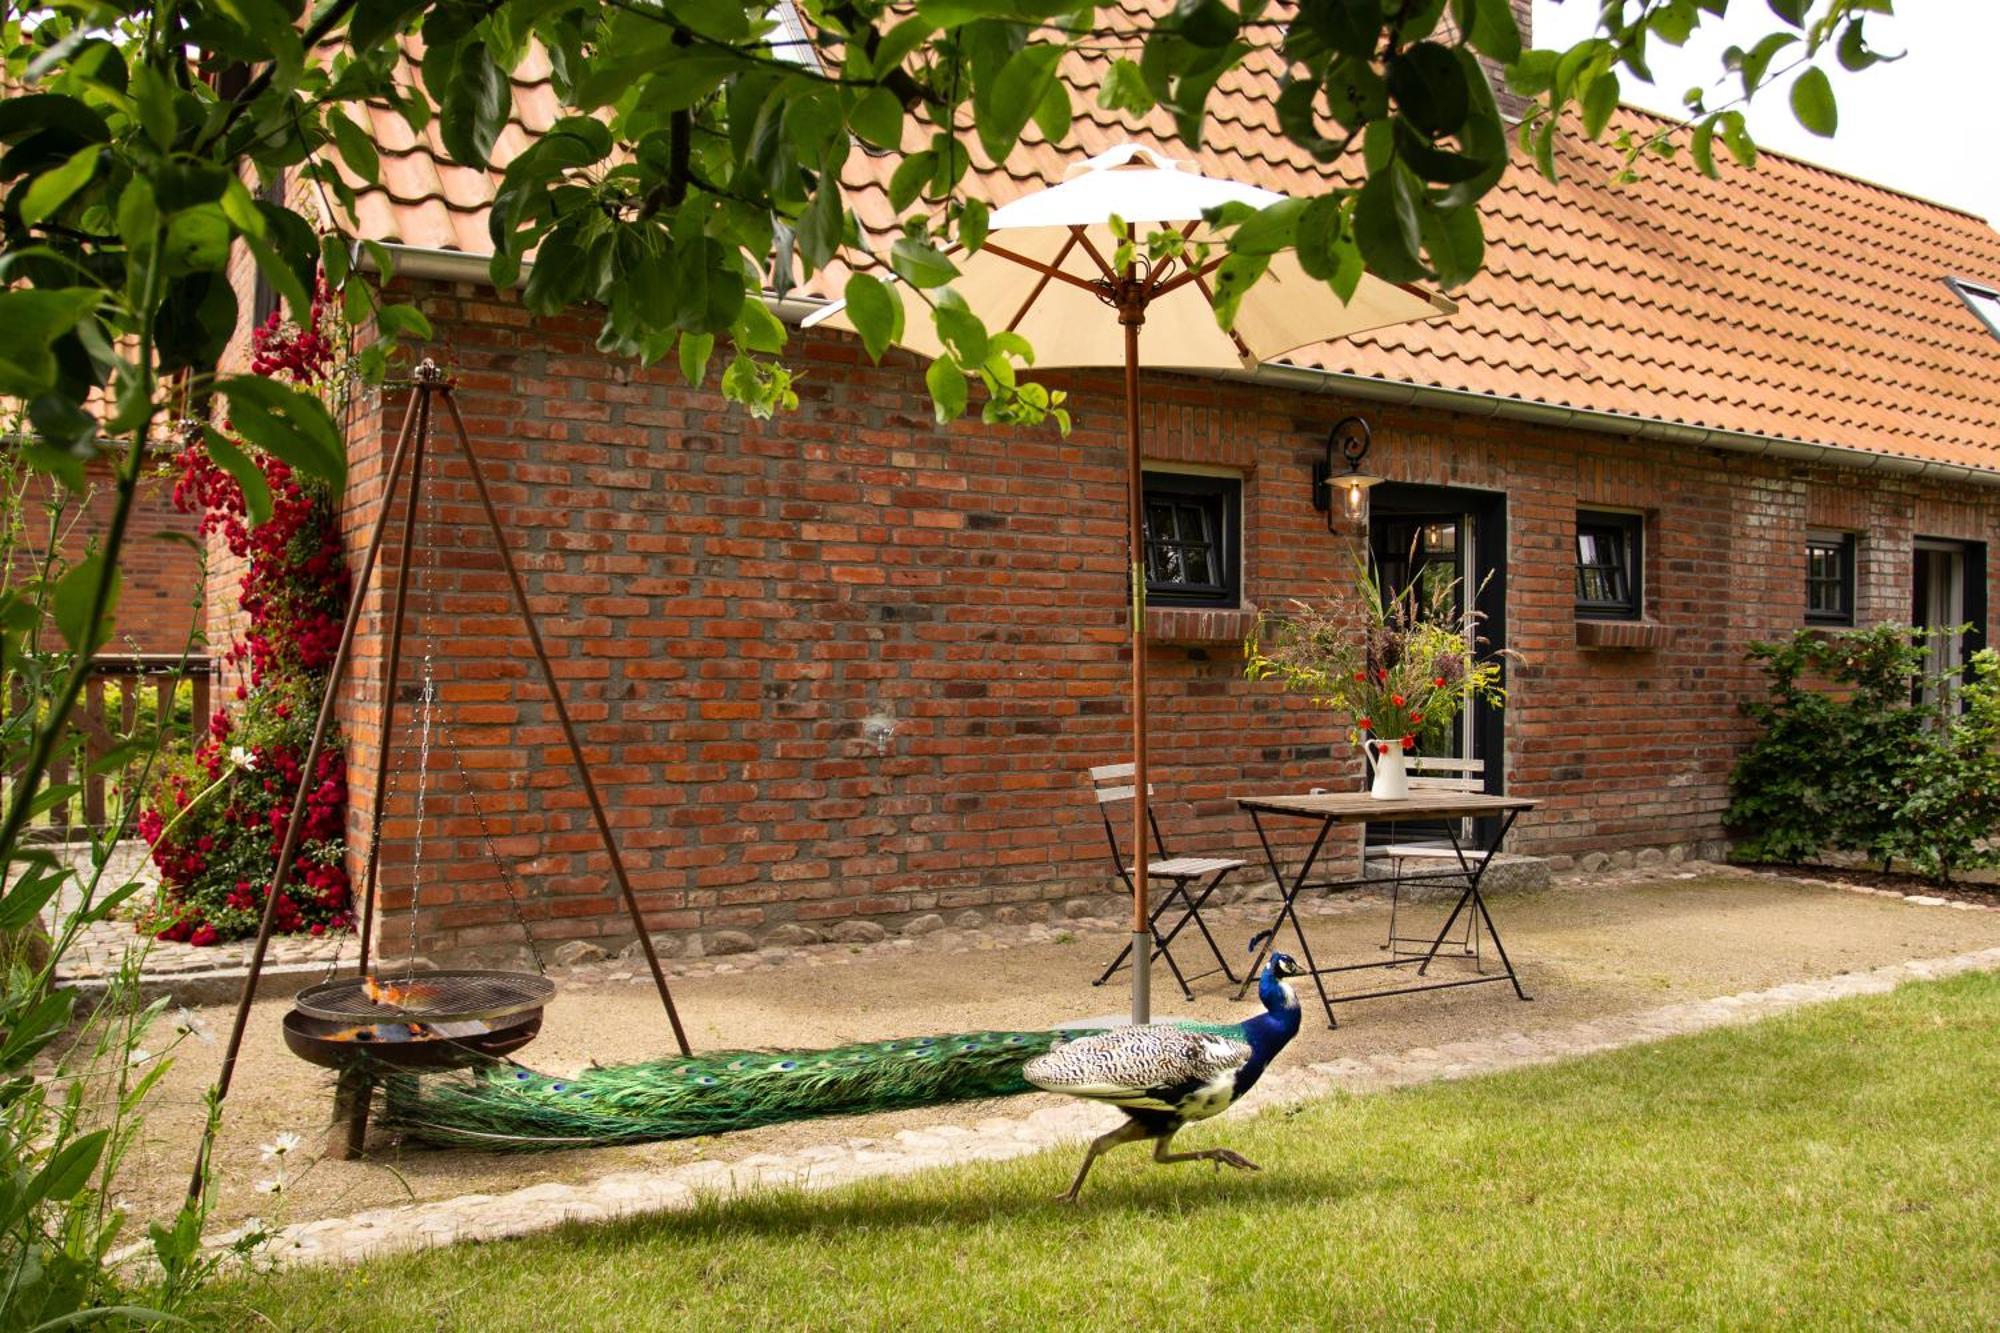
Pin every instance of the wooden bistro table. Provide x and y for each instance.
(1360, 808)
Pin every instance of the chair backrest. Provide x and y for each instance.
(1112, 783)
(1444, 773)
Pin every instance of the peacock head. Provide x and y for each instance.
(1284, 965)
(1271, 987)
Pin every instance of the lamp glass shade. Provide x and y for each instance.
(1351, 495)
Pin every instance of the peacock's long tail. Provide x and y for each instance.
(503, 1105)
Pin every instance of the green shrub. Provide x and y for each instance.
(1861, 750)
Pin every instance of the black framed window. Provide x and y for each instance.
(1610, 558)
(1193, 547)
(1830, 578)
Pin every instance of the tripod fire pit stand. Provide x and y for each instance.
(367, 1026)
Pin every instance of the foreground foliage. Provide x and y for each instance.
(1863, 748)
(1829, 1168)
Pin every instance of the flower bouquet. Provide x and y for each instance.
(1400, 666)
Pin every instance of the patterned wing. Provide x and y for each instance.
(1154, 1068)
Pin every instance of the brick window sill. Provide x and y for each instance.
(1199, 624)
(1632, 635)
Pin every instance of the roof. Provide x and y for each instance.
(1788, 301)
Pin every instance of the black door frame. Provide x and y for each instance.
(1489, 514)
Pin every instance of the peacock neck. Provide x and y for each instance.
(1269, 1031)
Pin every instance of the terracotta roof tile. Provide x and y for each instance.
(1789, 301)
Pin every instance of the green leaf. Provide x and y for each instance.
(287, 422)
(52, 189)
(695, 349)
(919, 263)
(973, 217)
(878, 119)
(911, 175)
(1791, 11)
(948, 389)
(197, 240)
(757, 328)
(65, 1174)
(1701, 147)
(1855, 54)
(357, 150)
(1234, 277)
(473, 106)
(1455, 242)
(819, 229)
(153, 96)
(1386, 226)
(1600, 99)
(32, 319)
(1022, 84)
(1493, 31)
(74, 593)
(1813, 104)
(1429, 88)
(877, 311)
(402, 321)
(283, 279)
(959, 329)
(1125, 89)
(1753, 64)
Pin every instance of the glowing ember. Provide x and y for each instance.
(396, 1032)
(396, 993)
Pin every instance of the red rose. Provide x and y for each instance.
(1364, 724)
(205, 936)
(1409, 742)
(1396, 699)
(1439, 682)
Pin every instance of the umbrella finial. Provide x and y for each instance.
(1122, 154)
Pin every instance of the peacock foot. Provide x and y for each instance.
(1225, 1157)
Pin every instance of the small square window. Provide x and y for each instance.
(1830, 578)
(1193, 552)
(1609, 565)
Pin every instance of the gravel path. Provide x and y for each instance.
(1608, 960)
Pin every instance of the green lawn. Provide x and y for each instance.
(1836, 1168)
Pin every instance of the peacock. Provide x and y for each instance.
(1163, 1076)
(503, 1105)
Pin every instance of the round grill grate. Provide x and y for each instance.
(430, 997)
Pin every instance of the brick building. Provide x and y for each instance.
(849, 662)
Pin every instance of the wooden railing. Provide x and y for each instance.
(119, 693)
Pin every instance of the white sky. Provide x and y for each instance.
(1927, 124)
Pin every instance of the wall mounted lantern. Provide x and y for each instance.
(1340, 488)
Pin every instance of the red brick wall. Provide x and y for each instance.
(847, 662)
(159, 593)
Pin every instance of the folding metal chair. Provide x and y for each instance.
(1113, 786)
(1432, 773)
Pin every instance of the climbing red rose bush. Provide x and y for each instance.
(215, 819)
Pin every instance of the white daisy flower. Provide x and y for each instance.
(242, 757)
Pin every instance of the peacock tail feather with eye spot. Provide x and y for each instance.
(504, 1105)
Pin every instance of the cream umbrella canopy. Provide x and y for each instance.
(1045, 272)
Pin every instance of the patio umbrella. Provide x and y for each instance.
(1045, 272)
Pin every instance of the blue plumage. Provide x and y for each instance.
(1164, 1076)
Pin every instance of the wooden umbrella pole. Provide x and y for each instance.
(289, 847)
(391, 671)
(568, 728)
(1132, 314)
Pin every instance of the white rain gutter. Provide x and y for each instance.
(415, 261)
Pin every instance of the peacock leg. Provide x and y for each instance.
(1103, 1143)
(1220, 1156)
